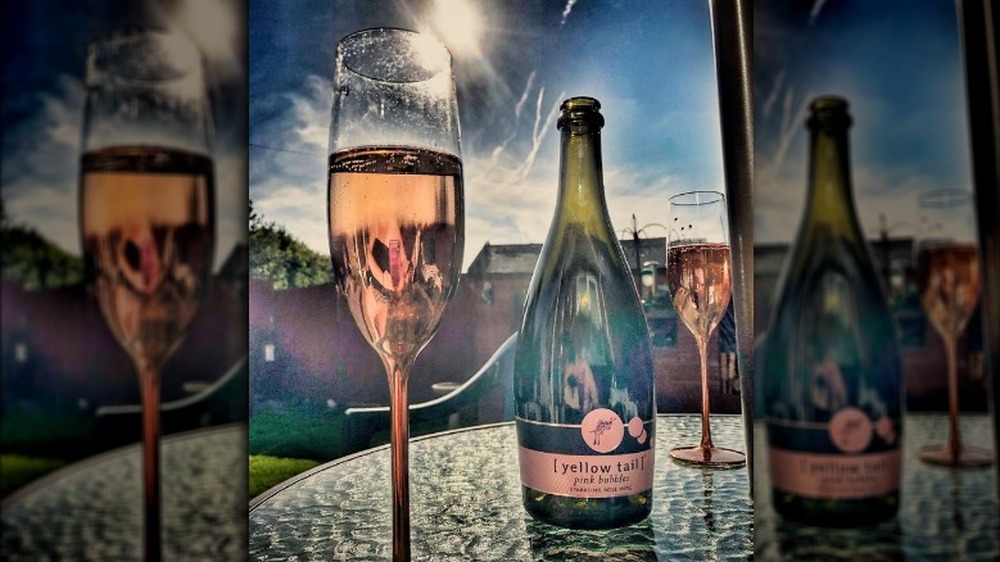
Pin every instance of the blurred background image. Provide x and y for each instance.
(900, 67)
(69, 390)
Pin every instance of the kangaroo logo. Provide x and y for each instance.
(602, 426)
(602, 430)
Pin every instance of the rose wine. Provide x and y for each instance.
(700, 281)
(583, 375)
(396, 241)
(948, 277)
(832, 376)
(147, 222)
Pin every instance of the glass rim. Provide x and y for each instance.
(428, 39)
(947, 198)
(189, 60)
(694, 197)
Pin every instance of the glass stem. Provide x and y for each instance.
(954, 441)
(706, 432)
(399, 445)
(150, 383)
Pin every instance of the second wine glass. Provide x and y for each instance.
(396, 214)
(948, 276)
(700, 280)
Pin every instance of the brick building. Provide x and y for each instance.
(304, 343)
(923, 355)
(57, 351)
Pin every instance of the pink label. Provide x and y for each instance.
(835, 476)
(587, 476)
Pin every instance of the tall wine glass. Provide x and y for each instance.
(700, 281)
(147, 210)
(949, 281)
(396, 213)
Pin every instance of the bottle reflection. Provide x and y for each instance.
(708, 513)
(635, 543)
(955, 497)
(579, 386)
(875, 543)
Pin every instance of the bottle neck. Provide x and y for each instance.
(581, 183)
(830, 201)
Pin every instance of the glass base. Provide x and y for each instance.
(968, 457)
(709, 457)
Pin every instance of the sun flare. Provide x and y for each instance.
(458, 25)
(210, 23)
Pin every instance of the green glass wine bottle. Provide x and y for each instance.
(832, 382)
(583, 378)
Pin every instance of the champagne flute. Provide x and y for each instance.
(949, 281)
(147, 210)
(700, 282)
(396, 214)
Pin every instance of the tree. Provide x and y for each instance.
(32, 260)
(279, 257)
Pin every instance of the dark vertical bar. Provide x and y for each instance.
(732, 29)
(149, 381)
(979, 24)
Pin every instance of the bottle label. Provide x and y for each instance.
(849, 457)
(603, 457)
(839, 477)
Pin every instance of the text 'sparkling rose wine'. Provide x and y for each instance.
(832, 379)
(395, 241)
(583, 379)
(148, 233)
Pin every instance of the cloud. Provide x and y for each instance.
(815, 11)
(41, 172)
(566, 11)
(288, 162)
(230, 201)
(879, 190)
(540, 129)
(41, 163)
(214, 26)
(505, 207)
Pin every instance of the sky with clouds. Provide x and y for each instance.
(649, 63)
(899, 64)
(44, 49)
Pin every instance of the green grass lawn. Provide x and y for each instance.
(295, 437)
(266, 471)
(38, 440)
(285, 443)
(301, 433)
(18, 470)
(47, 432)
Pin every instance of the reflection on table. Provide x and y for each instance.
(945, 513)
(466, 506)
(92, 510)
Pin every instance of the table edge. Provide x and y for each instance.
(32, 487)
(261, 498)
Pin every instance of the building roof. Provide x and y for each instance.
(769, 258)
(500, 259)
(650, 250)
(519, 259)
